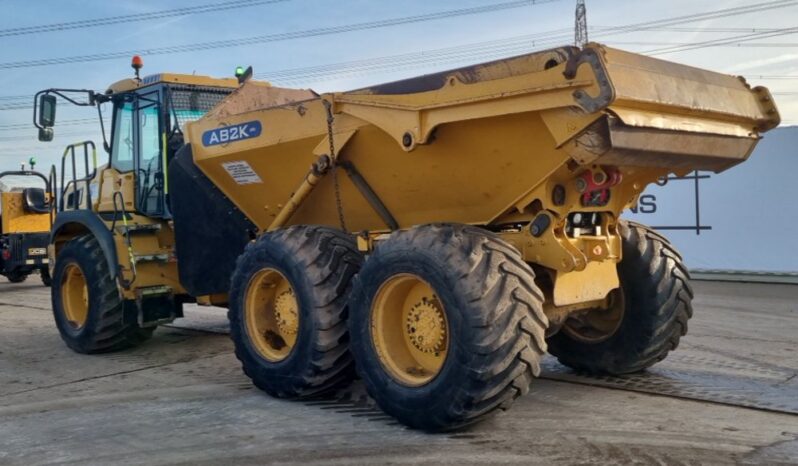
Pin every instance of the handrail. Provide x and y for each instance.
(26, 173)
(70, 150)
(52, 182)
(125, 283)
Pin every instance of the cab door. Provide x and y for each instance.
(149, 145)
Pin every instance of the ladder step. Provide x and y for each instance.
(146, 228)
(152, 291)
(151, 257)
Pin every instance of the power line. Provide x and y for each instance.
(723, 13)
(488, 49)
(275, 37)
(466, 51)
(74, 122)
(15, 106)
(15, 97)
(692, 29)
(97, 22)
(32, 136)
(392, 22)
(722, 41)
(518, 44)
(557, 36)
(722, 44)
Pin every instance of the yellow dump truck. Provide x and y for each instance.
(24, 227)
(438, 235)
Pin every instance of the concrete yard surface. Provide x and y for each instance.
(728, 395)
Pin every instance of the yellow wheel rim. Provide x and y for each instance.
(75, 296)
(597, 325)
(409, 330)
(271, 315)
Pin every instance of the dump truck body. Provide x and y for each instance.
(490, 145)
(441, 231)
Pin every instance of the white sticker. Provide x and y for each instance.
(241, 172)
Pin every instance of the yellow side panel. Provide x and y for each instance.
(473, 170)
(593, 283)
(112, 181)
(17, 220)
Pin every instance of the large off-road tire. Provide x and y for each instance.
(288, 310)
(17, 277)
(651, 310)
(87, 306)
(447, 326)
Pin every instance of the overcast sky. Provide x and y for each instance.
(18, 142)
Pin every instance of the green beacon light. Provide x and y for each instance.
(242, 74)
(32, 162)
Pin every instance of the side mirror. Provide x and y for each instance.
(47, 111)
(45, 134)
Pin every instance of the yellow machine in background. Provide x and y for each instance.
(24, 228)
(442, 232)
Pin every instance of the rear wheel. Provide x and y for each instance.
(87, 307)
(17, 277)
(288, 310)
(647, 315)
(447, 326)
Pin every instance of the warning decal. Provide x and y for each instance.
(241, 172)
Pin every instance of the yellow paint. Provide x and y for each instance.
(409, 330)
(112, 181)
(271, 315)
(485, 146)
(15, 219)
(75, 296)
(592, 283)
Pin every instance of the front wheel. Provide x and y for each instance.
(447, 326)
(646, 318)
(87, 307)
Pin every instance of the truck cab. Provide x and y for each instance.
(120, 206)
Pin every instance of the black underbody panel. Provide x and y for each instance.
(19, 247)
(210, 232)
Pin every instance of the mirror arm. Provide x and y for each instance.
(106, 146)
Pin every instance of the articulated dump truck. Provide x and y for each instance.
(434, 236)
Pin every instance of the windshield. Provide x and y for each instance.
(191, 104)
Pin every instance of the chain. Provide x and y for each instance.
(334, 159)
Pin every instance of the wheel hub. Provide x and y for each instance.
(597, 325)
(271, 314)
(75, 296)
(285, 312)
(426, 327)
(409, 330)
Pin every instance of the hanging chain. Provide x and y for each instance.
(334, 160)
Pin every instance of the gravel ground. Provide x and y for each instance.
(728, 395)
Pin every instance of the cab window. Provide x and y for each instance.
(122, 143)
(149, 178)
